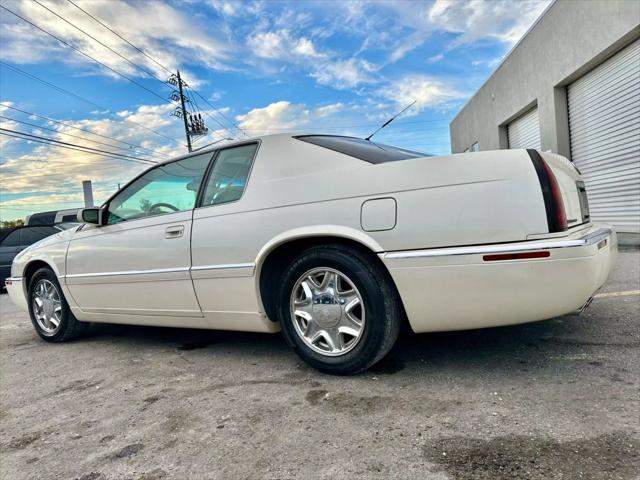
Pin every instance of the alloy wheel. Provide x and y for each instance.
(47, 307)
(328, 311)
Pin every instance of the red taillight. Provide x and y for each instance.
(553, 203)
(515, 256)
(559, 212)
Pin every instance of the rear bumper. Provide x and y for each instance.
(461, 288)
(16, 291)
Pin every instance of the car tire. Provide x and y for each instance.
(346, 328)
(49, 310)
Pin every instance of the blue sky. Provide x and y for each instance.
(263, 67)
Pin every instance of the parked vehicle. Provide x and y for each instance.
(17, 239)
(53, 217)
(335, 240)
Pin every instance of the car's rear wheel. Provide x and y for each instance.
(49, 310)
(339, 309)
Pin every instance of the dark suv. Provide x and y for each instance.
(20, 238)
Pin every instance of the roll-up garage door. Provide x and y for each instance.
(524, 131)
(604, 125)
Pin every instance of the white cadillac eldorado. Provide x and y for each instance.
(334, 240)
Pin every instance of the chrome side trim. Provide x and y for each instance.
(128, 272)
(162, 270)
(586, 240)
(13, 279)
(223, 266)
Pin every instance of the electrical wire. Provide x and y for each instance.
(80, 51)
(48, 84)
(63, 133)
(122, 38)
(101, 107)
(221, 114)
(72, 146)
(78, 128)
(165, 68)
(145, 70)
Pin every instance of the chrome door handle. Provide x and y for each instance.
(175, 231)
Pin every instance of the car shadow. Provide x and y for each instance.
(529, 345)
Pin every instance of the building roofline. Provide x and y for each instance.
(508, 54)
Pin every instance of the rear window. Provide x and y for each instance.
(363, 149)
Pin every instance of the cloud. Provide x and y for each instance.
(306, 48)
(8, 124)
(164, 32)
(504, 21)
(425, 90)
(343, 74)
(54, 175)
(283, 115)
(481, 19)
(275, 116)
(227, 8)
(281, 45)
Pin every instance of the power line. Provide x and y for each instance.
(336, 127)
(77, 128)
(100, 167)
(49, 84)
(64, 42)
(165, 68)
(93, 169)
(122, 38)
(101, 107)
(148, 72)
(48, 143)
(151, 58)
(62, 133)
(71, 146)
(50, 202)
(221, 114)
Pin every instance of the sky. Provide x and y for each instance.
(252, 68)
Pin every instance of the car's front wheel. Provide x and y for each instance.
(338, 308)
(49, 310)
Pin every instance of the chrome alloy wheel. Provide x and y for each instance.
(327, 311)
(47, 307)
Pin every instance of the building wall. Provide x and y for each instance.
(571, 38)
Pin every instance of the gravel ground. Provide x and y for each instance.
(548, 400)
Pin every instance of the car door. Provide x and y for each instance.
(9, 248)
(222, 272)
(138, 262)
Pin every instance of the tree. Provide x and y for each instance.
(145, 205)
(11, 223)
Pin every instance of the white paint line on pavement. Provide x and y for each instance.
(617, 294)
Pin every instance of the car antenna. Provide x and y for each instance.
(391, 120)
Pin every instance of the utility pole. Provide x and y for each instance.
(193, 124)
(184, 113)
(88, 193)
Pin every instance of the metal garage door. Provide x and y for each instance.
(524, 132)
(604, 123)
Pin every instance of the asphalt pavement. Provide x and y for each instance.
(557, 399)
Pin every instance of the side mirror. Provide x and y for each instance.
(89, 215)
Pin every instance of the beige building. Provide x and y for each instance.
(571, 86)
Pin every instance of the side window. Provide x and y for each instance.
(229, 175)
(34, 234)
(169, 188)
(11, 240)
